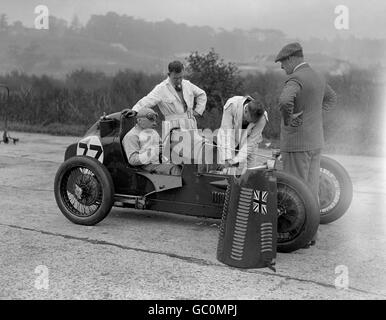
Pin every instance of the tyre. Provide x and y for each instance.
(84, 190)
(335, 190)
(298, 213)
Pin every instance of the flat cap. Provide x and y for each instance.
(288, 50)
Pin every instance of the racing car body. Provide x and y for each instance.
(96, 175)
(192, 193)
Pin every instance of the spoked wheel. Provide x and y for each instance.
(335, 190)
(298, 213)
(84, 190)
(81, 191)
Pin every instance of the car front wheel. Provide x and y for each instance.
(84, 190)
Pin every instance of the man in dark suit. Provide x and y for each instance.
(304, 96)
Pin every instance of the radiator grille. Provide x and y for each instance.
(266, 237)
(218, 197)
(241, 223)
(224, 219)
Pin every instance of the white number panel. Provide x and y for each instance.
(90, 146)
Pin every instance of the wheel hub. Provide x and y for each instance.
(291, 214)
(78, 192)
(86, 189)
(81, 191)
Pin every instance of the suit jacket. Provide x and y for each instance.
(304, 96)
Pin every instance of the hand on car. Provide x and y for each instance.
(127, 111)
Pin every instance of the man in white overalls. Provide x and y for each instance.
(175, 98)
(240, 133)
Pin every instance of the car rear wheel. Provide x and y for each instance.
(84, 190)
(298, 213)
(335, 190)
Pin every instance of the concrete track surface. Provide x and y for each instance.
(151, 255)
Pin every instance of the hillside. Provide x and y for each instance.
(113, 42)
(39, 52)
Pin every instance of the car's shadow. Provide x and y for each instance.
(129, 215)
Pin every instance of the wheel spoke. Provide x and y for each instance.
(292, 213)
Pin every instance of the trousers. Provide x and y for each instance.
(304, 165)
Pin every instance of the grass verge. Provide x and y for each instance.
(56, 129)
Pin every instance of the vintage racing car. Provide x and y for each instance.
(96, 176)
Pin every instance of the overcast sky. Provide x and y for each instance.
(297, 18)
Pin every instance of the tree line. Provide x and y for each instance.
(83, 96)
